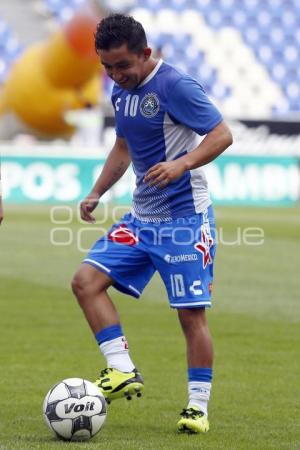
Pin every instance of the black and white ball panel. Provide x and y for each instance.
(75, 409)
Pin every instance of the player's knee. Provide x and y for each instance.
(86, 284)
(79, 285)
(83, 286)
(192, 321)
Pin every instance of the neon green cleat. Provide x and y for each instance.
(193, 421)
(115, 384)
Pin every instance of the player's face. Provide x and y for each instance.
(125, 68)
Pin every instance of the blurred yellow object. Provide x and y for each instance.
(70, 58)
(53, 77)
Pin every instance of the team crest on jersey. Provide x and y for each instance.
(149, 106)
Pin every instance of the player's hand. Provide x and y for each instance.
(163, 173)
(87, 206)
(1, 210)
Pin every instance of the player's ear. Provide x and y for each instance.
(147, 53)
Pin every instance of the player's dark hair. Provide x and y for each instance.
(118, 29)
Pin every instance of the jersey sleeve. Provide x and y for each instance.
(114, 98)
(189, 105)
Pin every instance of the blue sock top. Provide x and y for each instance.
(109, 333)
(200, 374)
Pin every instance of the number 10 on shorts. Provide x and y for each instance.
(177, 285)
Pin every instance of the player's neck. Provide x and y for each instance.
(151, 64)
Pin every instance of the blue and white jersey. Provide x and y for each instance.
(161, 120)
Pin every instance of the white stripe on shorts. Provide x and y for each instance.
(97, 264)
(108, 270)
(191, 304)
(134, 289)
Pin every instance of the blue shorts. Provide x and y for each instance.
(182, 251)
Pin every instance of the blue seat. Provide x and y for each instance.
(278, 72)
(164, 38)
(295, 104)
(178, 5)
(194, 59)
(239, 19)
(3, 68)
(4, 31)
(251, 36)
(219, 91)
(206, 74)
(202, 5)
(152, 5)
(215, 19)
(252, 6)
(10, 49)
(54, 5)
(181, 41)
(63, 9)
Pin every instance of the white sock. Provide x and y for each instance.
(199, 393)
(117, 354)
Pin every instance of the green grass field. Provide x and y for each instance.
(254, 322)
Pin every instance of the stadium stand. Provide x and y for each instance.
(63, 9)
(245, 53)
(23, 19)
(10, 48)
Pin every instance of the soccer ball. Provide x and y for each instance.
(74, 409)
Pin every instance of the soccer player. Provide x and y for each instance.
(160, 113)
(1, 205)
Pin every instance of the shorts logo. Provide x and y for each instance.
(195, 288)
(123, 235)
(149, 106)
(204, 246)
(181, 258)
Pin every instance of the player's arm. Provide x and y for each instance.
(214, 143)
(1, 209)
(189, 105)
(115, 166)
(1, 204)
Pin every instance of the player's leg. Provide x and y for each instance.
(200, 360)
(185, 263)
(90, 288)
(120, 378)
(198, 338)
(116, 259)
